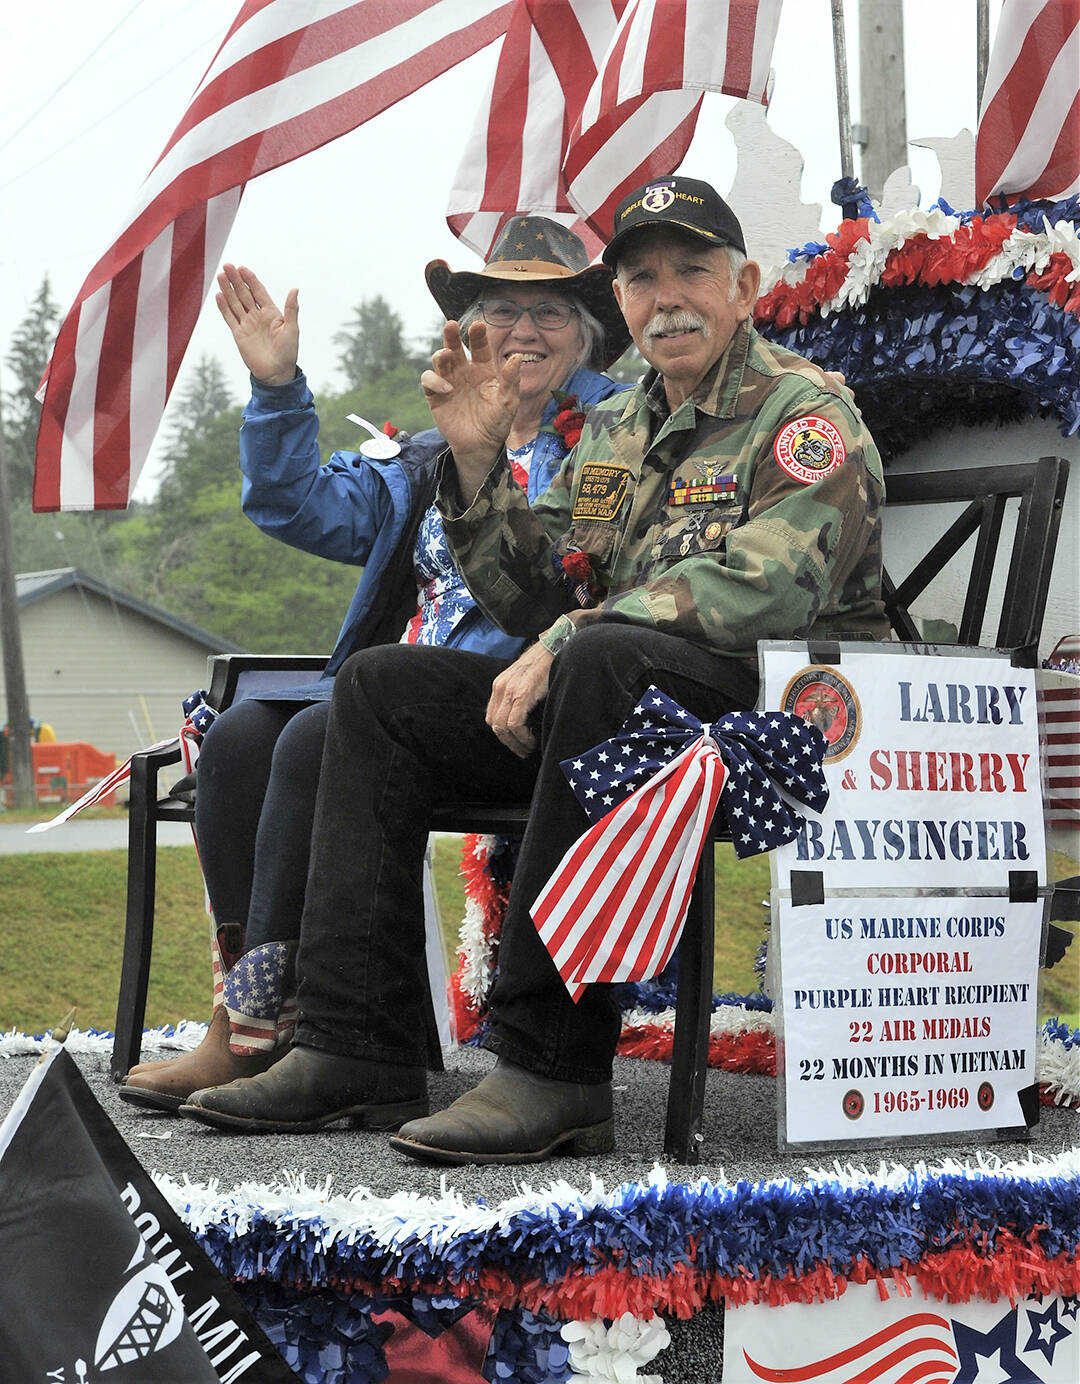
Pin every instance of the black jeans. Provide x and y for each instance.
(257, 776)
(407, 732)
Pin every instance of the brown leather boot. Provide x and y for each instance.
(310, 1089)
(226, 949)
(514, 1116)
(212, 1063)
(157, 1065)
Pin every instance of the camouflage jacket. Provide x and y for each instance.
(751, 512)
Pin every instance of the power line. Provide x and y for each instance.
(85, 129)
(70, 77)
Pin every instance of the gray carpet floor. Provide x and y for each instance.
(740, 1142)
(740, 1138)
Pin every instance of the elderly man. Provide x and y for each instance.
(733, 496)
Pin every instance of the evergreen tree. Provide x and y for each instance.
(201, 446)
(26, 360)
(225, 575)
(372, 343)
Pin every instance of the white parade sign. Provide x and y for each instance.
(932, 765)
(906, 1016)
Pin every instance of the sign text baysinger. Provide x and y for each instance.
(936, 770)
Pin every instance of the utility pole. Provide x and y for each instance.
(882, 100)
(18, 708)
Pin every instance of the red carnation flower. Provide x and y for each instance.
(577, 566)
(568, 421)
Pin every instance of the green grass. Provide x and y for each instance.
(62, 935)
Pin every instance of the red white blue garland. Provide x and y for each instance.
(580, 1279)
(317, 1265)
(937, 317)
(742, 1039)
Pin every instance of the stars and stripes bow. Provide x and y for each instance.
(199, 716)
(614, 908)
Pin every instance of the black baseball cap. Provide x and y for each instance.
(688, 203)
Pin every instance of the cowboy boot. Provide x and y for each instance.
(226, 949)
(513, 1116)
(310, 1089)
(249, 1030)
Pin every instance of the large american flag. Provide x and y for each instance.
(614, 908)
(290, 75)
(1028, 140)
(638, 119)
(513, 160)
(591, 98)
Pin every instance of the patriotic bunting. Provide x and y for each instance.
(940, 318)
(984, 1227)
(614, 908)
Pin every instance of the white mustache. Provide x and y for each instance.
(664, 323)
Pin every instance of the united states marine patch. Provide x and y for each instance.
(809, 448)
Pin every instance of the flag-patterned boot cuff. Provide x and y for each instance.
(260, 997)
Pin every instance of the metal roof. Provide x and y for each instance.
(35, 586)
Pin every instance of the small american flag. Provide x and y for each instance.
(198, 717)
(1058, 691)
(614, 908)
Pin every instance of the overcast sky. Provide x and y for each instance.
(92, 91)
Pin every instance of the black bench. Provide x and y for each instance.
(983, 491)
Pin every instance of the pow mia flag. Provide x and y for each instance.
(102, 1281)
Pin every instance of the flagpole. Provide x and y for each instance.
(982, 50)
(843, 101)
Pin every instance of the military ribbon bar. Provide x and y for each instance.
(614, 908)
(702, 492)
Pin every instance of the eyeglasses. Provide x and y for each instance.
(501, 312)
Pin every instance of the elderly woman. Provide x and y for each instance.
(259, 766)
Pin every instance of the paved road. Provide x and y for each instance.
(91, 834)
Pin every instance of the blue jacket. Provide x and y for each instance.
(367, 512)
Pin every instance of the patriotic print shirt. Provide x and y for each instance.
(443, 599)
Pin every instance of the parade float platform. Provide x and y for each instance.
(321, 1232)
